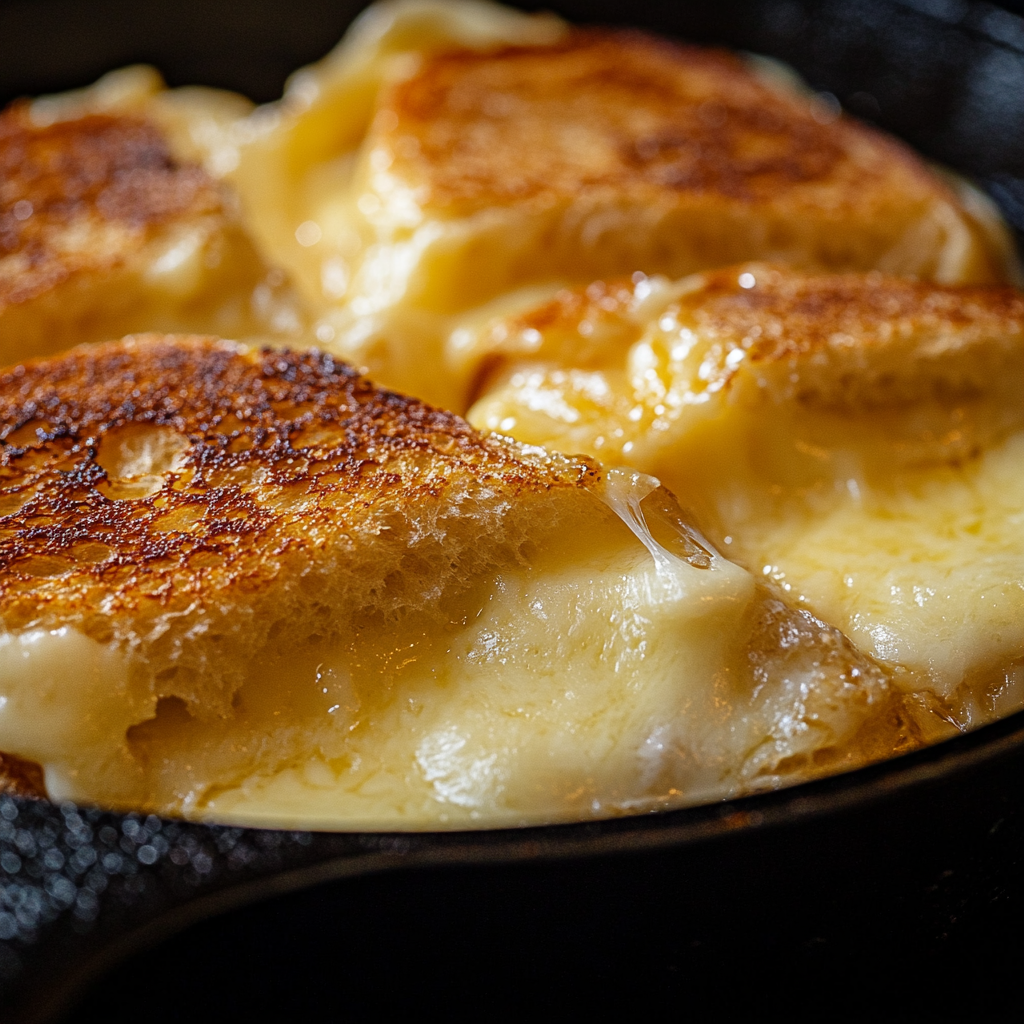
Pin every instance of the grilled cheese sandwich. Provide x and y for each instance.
(250, 585)
(245, 584)
(109, 223)
(449, 155)
(858, 439)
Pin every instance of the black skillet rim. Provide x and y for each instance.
(148, 899)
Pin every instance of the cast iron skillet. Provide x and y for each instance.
(894, 892)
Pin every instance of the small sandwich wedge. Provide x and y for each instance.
(449, 156)
(249, 585)
(109, 223)
(858, 439)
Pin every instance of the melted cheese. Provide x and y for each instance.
(612, 672)
(872, 468)
(447, 154)
(925, 572)
(538, 703)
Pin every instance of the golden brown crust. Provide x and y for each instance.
(853, 337)
(268, 456)
(577, 327)
(19, 777)
(84, 195)
(599, 302)
(661, 119)
(845, 338)
(781, 313)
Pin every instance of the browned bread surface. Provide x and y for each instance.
(147, 473)
(21, 778)
(657, 117)
(865, 338)
(840, 340)
(106, 229)
(82, 195)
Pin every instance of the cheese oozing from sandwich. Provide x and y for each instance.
(109, 223)
(450, 158)
(250, 585)
(857, 439)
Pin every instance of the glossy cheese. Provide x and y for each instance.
(446, 155)
(858, 440)
(268, 591)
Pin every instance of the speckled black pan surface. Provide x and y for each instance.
(892, 893)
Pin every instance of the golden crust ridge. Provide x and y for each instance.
(849, 339)
(853, 339)
(281, 455)
(663, 118)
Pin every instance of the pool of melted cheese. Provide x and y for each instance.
(543, 700)
(896, 519)
(925, 572)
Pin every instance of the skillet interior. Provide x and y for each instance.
(905, 873)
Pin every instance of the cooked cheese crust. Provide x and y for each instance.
(83, 195)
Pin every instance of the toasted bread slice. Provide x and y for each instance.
(109, 224)
(857, 438)
(251, 585)
(425, 170)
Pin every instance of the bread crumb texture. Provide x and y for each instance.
(193, 482)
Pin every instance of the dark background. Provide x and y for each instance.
(253, 45)
(910, 910)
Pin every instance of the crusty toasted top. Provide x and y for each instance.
(84, 195)
(160, 469)
(852, 337)
(615, 109)
(843, 339)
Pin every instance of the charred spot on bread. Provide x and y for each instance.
(19, 777)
